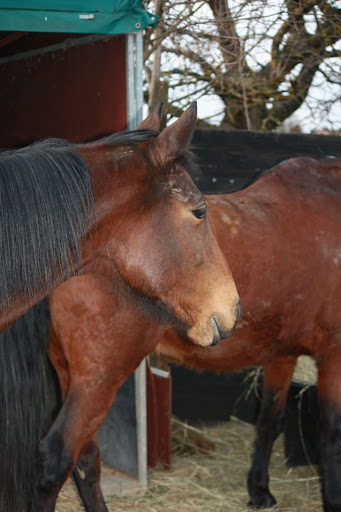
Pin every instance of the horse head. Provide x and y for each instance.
(160, 242)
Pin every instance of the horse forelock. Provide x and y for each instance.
(135, 137)
(46, 208)
(127, 138)
(189, 161)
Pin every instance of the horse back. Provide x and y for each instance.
(281, 237)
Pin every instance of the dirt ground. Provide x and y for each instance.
(214, 483)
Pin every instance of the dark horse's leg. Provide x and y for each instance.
(70, 438)
(87, 474)
(56, 460)
(277, 379)
(329, 388)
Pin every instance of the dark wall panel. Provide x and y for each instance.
(231, 160)
(77, 92)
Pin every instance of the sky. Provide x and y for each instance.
(251, 26)
(208, 105)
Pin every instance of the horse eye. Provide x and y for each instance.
(200, 213)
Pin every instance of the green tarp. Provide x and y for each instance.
(75, 16)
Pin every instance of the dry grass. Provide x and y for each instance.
(306, 370)
(215, 483)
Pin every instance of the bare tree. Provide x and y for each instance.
(258, 57)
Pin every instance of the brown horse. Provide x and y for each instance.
(281, 237)
(152, 243)
(289, 279)
(124, 205)
(282, 240)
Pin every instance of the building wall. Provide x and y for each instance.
(75, 90)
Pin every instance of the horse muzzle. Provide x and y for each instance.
(217, 328)
(219, 332)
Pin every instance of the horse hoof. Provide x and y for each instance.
(264, 508)
(263, 502)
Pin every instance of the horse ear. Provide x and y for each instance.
(173, 140)
(153, 120)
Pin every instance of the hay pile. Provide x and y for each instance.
(216, 482)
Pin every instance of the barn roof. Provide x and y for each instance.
(75, 16)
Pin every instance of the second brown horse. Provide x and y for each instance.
(282, 240)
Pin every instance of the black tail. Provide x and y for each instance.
(29, 401)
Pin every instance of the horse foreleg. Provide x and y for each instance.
(56, 461)
(276, 382)
(59, 450)
(329, 390)
(87, 475)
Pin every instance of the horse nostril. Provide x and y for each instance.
(216, 329)
(238, 311)
(219, 332)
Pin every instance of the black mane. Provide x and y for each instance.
(45, 208)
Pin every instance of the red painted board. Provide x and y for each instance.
(77, 93)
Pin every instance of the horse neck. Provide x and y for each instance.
(333, 166)
(97, 246)
(105, 178)
(115, 173)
